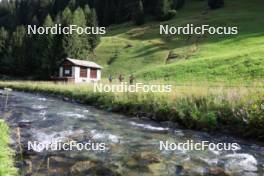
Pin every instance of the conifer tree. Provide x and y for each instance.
(87, 13)
(66, 41)
(91, 21)
(94, 39)
(18, 50)
(72, 5)
(215, 4)
(4, 60)
(66, 17)
(76, 45)
(46, 51)
(177, 4)
(139, 17)
(164, 10)
(3, 40)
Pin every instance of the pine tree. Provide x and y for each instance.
(46, 58)
(43, 7)
(3, 40)
(76, 45)
(18, 50)
(34, 20)
(72, 5)
(177, 4)
(139, 17)
(66, 17)
(88, 14)
(79, 17)
(4, 59)
(163, 10)
(94, 39)
(58, 6)
(91, 21)
(215, 4)
(65, 41)
(108, 9)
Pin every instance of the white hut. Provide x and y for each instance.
(78, 71)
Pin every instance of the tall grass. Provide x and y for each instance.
(238, 110)
(6, 155)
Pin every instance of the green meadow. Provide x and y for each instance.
(184, 59)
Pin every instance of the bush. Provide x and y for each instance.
(215, 4)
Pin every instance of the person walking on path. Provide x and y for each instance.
(110, 78)
(131, 79)
(121, 78)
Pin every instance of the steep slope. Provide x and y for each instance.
(210, 58)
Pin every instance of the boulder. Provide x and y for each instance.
(239, 163)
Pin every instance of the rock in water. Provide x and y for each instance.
(84, 168)
(217, 171)
(237, 163)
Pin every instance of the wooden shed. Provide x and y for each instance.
(78, 71)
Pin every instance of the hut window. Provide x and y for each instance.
(83, 72)
(67, 71)
(93, 73)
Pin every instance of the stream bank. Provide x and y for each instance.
(240, 115)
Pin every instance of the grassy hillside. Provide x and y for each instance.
(220, 58)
